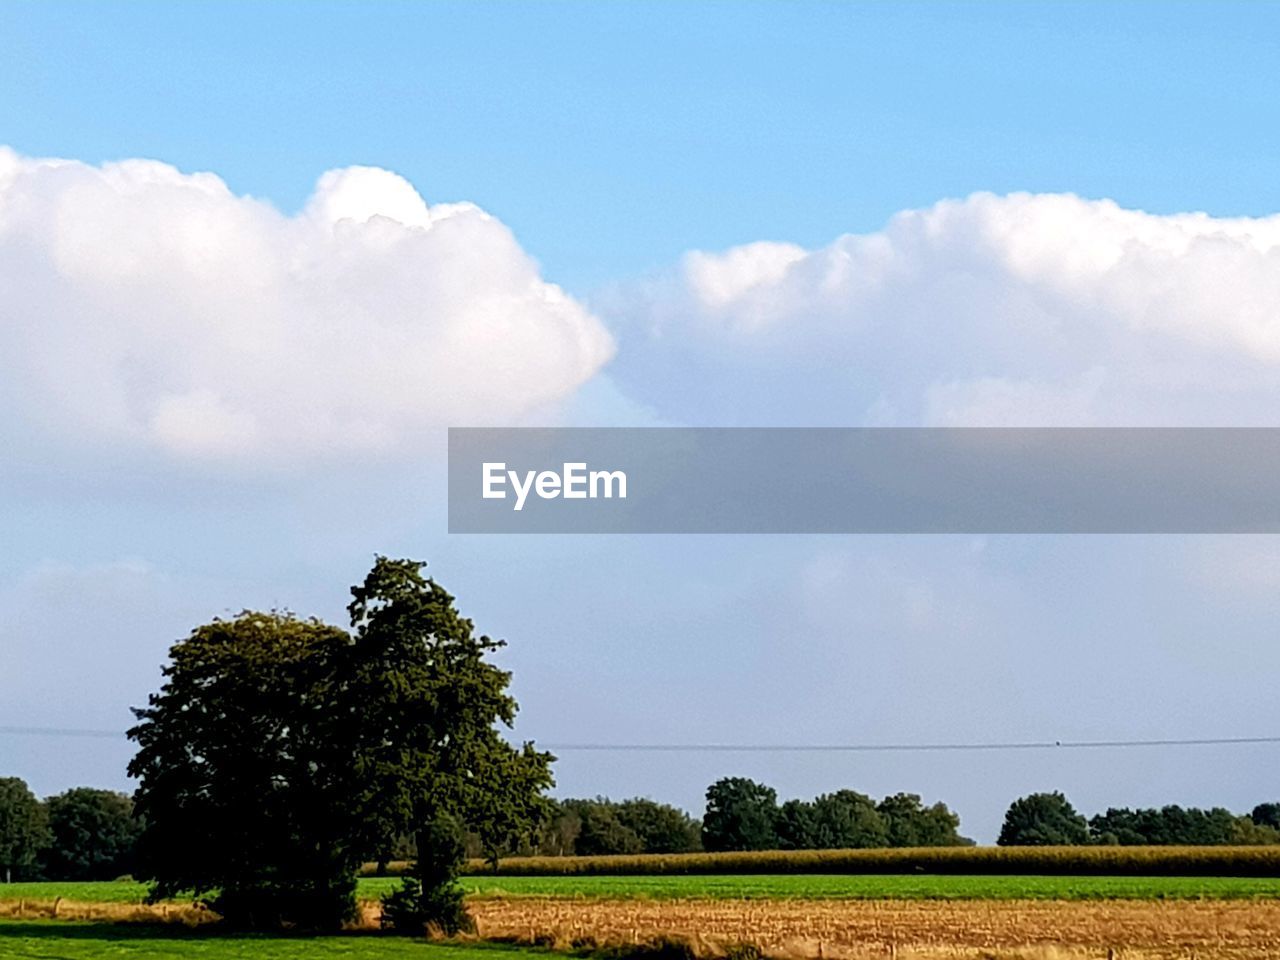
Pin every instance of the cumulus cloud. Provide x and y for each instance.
(142, 307)
(1022, 309)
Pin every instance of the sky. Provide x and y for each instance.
(255, 259)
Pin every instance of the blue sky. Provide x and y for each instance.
(614, 137)
(742, 206)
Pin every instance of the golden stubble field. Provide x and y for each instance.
(1037, 930)
(830, 929)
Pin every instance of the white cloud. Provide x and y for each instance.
(1023, 309)
(146, 308)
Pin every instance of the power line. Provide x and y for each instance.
(904, 747)
(60, 732)
(782, 747)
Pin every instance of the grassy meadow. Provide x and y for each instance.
(764, 887)
(55, 940)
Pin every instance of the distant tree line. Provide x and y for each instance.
(91, 834)
(740, 815)
(82, 834)
(744, 815)
(1049, 819)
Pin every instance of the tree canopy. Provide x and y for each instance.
(23, 829)
(741, 815)
(92, 834)
(281, 753)
(1042, 819)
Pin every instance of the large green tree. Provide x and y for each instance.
(281, 753)
(431, 759)
(1042, 819)
(246, 777)
(22, 829)
(741, 815)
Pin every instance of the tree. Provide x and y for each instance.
(1246, 832)
(92, 835)
(1042, 819)
(426, 735)
(796, 826)
(909, 823)
(1118, 826)
(660, 827)
(511, 805)
(282, 753)
(602, 830)
(23, 829)
(847, 819)
(741, 815)
(247, 783)
(1170, 825)
(1266, 815)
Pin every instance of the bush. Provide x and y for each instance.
(430, 898)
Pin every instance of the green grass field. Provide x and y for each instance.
(786, 886)
(56, 940)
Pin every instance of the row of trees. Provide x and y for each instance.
(91, 834)
(603, 826)
(1049, 819)
(82, 834)
(745, 815)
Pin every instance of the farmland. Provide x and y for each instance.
(787, 929)
(762, 887)
(793, 916)
(1138, 861)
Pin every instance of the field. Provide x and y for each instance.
(1206, 861)
(794, 916)
(747, 887)
(51, 940)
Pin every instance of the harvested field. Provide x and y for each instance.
(19, 908)
(1176, 930)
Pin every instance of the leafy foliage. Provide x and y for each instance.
(280, 754)
(428, 748)
(909, 823)
(92, 834)
(741, 815)
(23, 829)
(603, 826)
(431, 899)
(245, 774)
(1266, 815)
(1042, 819)
(1175, 825)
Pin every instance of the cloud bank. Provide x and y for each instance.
(1023, 309)
(144, 311)
(146, 308)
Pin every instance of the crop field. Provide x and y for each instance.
(788, 930)
(748, 887)
(789, 916)
(889, 886)
(852, 930)
(1204, 861)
